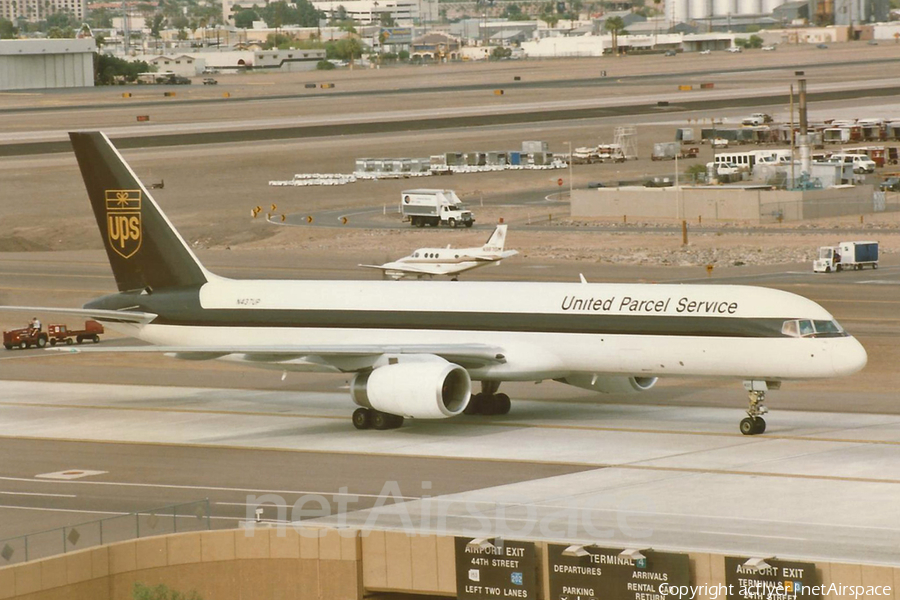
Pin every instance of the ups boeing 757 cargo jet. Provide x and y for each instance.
(415, 349)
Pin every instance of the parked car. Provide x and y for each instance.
(595, 185)
(769, 48)
(210, 81)
(177, 80)
(822, 46)
(707, 51)
(861, 163)
(734, 49)
(670, 53)
(891, 184)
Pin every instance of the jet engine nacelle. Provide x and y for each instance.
(421, 390)
(611, 384)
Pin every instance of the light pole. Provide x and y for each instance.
(570, 170)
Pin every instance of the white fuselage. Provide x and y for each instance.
(546, 330)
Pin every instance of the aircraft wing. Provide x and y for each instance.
(420, 269)
(338, 357)
(107, 316)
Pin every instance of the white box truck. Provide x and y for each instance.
(846, 255)
(434, 207)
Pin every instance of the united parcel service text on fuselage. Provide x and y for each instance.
(626, 304)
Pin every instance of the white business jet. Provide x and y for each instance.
(428, 262)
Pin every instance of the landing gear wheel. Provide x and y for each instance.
(379, 420)
(382, 421)
(754, 424)
(362, 418)
(503, 404)
(474, 405)
(489, 405)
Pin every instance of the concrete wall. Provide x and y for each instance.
(219, 565)
(721, 203)
(337, 565)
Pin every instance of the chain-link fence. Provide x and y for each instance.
(177, 518)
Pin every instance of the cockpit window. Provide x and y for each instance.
(790, 329)
(806, 328)
(816, 329)
(828, 329)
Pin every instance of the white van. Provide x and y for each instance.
(861, 163)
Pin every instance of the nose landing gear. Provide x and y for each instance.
(754, 424)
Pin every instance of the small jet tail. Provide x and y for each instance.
(143, 247)
(497, 240)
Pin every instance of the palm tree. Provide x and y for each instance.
(615, 26)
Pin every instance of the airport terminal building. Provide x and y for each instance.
(43, 64)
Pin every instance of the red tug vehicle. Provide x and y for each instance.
(56, 334)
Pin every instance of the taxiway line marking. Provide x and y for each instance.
(75, 291)
(115, 514)
(45, 275)
(586, 466)
(207, 488)
(513, 424)
(42, 494)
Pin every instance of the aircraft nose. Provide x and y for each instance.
(849, 357)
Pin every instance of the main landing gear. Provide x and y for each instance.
(754, 424)
(365, 418)
(488, 402)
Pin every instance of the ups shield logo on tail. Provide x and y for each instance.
(123, 221)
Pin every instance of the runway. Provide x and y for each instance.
(663, 477)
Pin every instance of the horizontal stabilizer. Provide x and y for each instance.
(99, 314)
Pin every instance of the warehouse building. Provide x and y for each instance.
(41, 64)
